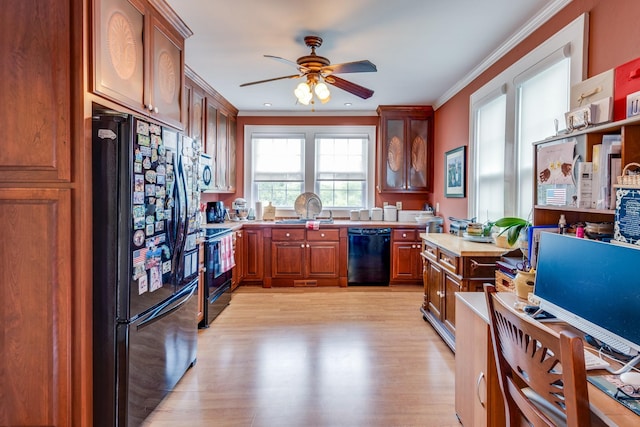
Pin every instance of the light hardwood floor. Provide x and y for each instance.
(317, 357)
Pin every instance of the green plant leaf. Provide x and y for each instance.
(509, 221)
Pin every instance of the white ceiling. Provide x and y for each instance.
(425, 50)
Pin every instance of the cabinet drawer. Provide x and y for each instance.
(480, 267)
(332, 235)
(429, 251)
(449, 261)
(287, 234)
(402, 235)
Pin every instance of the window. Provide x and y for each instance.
(335, 162)
(515, 109)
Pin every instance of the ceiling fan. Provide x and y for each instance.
(318, 69)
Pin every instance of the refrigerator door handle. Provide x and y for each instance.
(166, 309)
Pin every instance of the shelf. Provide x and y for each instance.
(574, 209)
(602, 128)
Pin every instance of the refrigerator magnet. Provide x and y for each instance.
(139, 271)
(150, 190)
(166, 267)
(137, 155)
(160, 170)
(162, 150)
(137, 166)
(145, 151)
(146, 163)
(149, 229)
(142, 285)
(138, 238)
(160, 191)
(138, 223)
(138, 211)
(143, 140)
(159, 216)
(160, 180)
(150, 176)
(138, 182)
(156, 279)
(154, 155)
(142, 128)
(138, 198)
(150, 220)
(155, 139)
(154, 128)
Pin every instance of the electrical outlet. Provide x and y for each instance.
(399, 205)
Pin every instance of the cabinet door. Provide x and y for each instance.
(417, 155)
(212, 134)
(118, 51)
(222, 158)
(288, 260)
(38, 304)
(435, 293)
(232, 154)
(323, 259)
(253, 254)
(472, 346)
(167, 69)
(36, 91)
(451, 286)
(393, 171)
(196, 115)
(406, 261)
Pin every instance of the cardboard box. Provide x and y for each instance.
(595, 96)
(627, 81)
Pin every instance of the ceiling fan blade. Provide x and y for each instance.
(293, 76)
(353, 88)
(286, 61)
(364, 66)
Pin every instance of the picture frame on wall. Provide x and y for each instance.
(455, 167)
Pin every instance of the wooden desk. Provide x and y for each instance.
(609, 410)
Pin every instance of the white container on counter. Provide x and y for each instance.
(354, 215)
(390, 213)
(259, 211)
(376, 214)
(364, 214)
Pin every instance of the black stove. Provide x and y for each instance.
(214, 232)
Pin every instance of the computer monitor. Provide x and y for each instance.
(593, 286)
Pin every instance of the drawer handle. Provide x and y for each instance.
(321, 234)
(480, 378)
(404, 235)
(475, 264)
(288, 235)
(302, 245)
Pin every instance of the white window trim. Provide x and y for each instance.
(310, 133)
(572, 38)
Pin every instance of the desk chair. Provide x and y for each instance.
(542, 376)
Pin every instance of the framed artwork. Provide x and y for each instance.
(455, 167)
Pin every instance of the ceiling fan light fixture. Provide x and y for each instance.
(323, 93)
(303, 93)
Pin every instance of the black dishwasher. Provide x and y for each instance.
(369, 256)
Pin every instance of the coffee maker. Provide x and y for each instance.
(215, 212)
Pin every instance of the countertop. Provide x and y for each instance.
(337, 223)
(461, 247)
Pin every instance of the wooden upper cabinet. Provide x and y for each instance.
(138, 55)
(36, 91)
(405, 149)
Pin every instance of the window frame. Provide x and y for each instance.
(310, 132)
(571, 40)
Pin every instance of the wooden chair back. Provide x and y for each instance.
(542, 375)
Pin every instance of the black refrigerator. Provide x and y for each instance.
(144, 265)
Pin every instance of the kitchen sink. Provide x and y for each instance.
(303, 221)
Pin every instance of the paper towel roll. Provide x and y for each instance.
(258, 211)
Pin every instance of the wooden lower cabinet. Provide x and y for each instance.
(448, 269)
(252, 255)
(37, 294)
(478, 400)
(237, 274)
(406, 262)
(302, 257)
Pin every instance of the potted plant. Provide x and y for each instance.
(517, 230)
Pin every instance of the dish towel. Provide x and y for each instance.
(227, 261)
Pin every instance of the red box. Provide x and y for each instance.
(627, 80)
